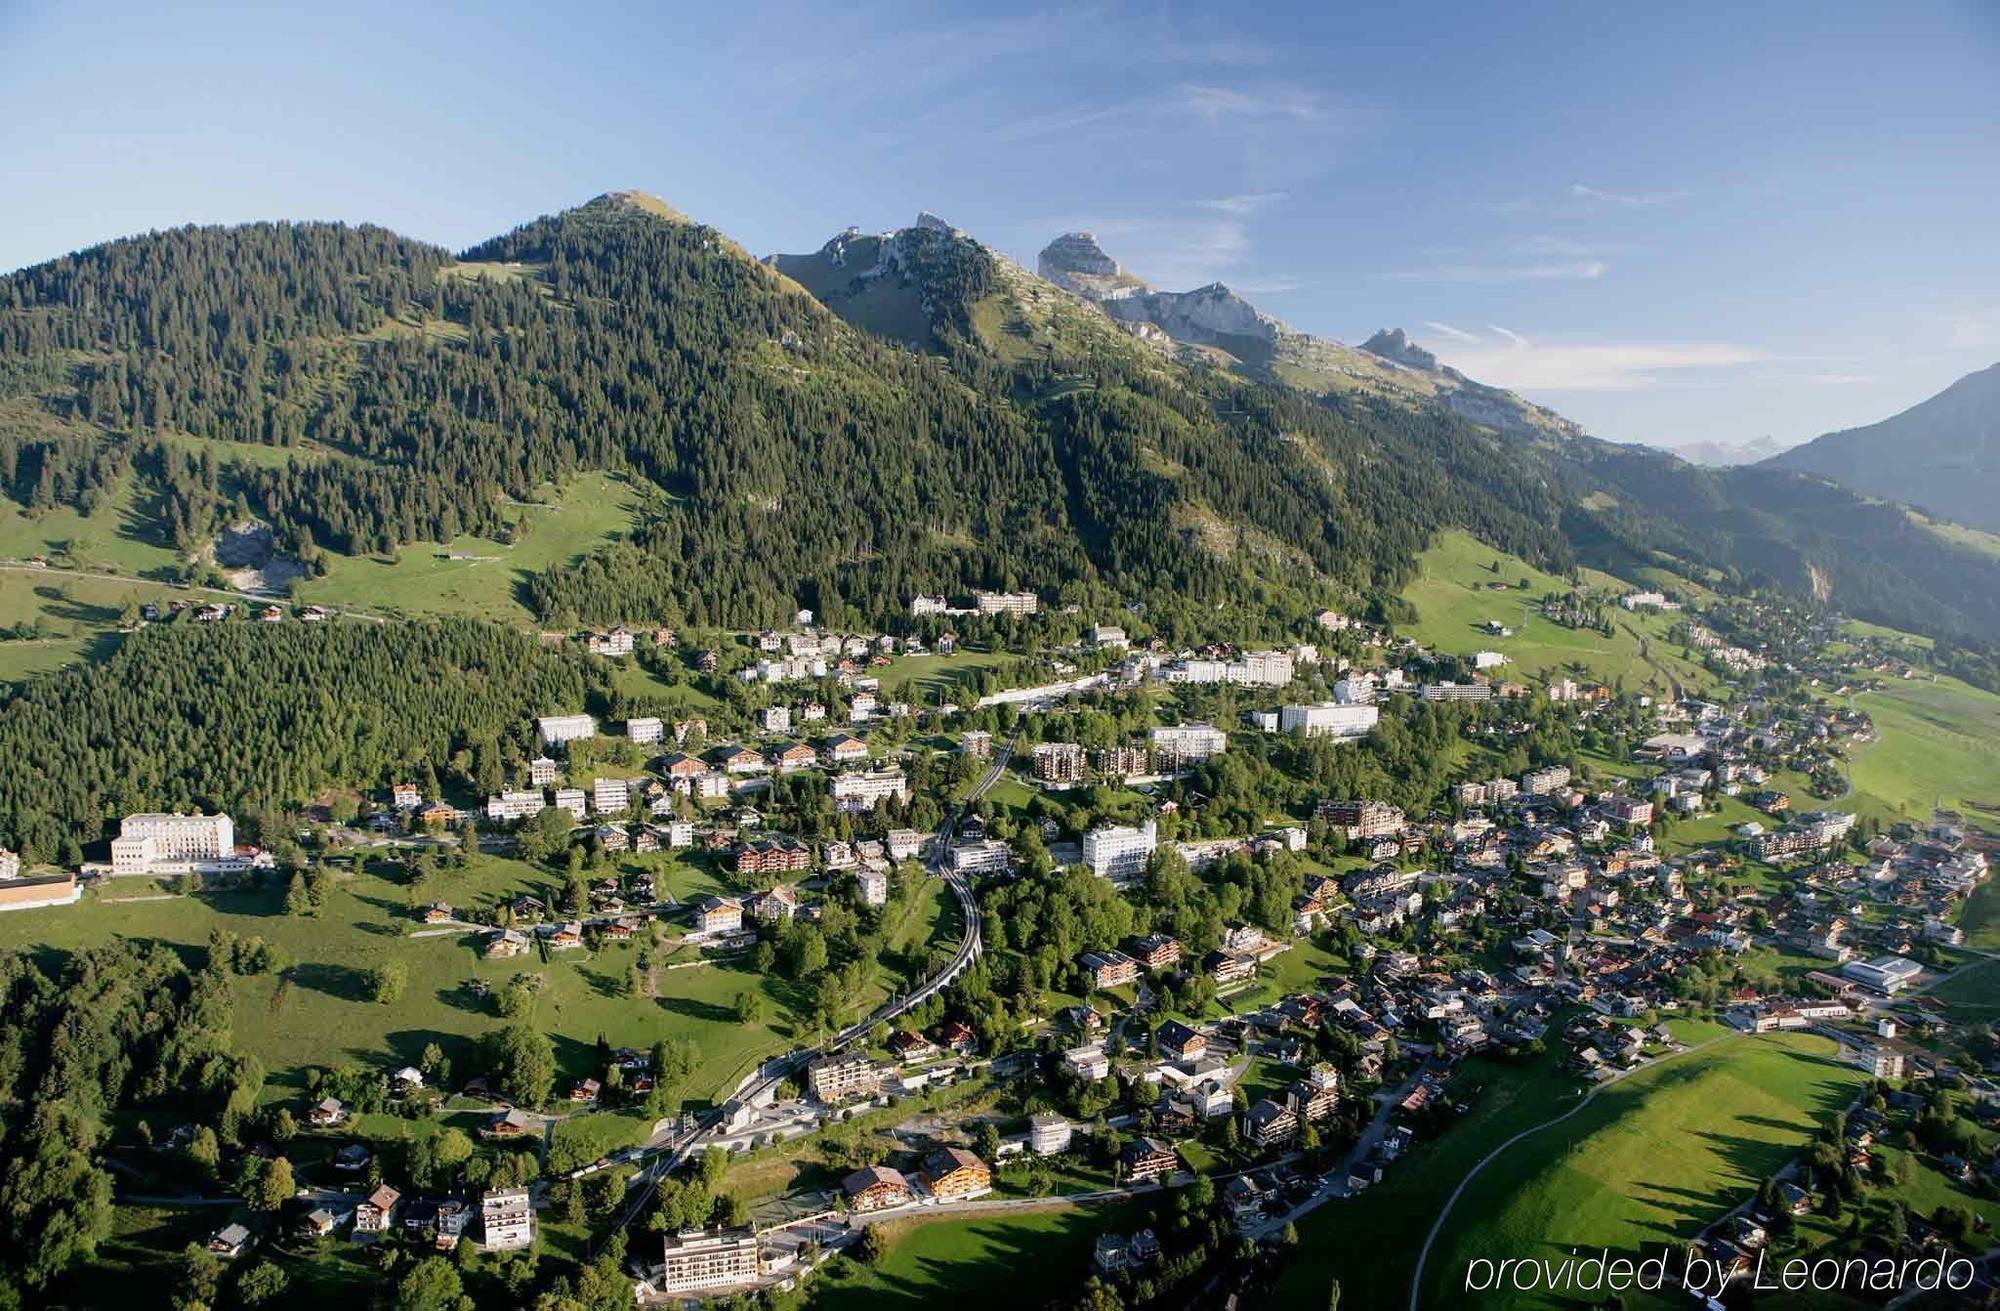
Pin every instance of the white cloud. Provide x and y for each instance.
(1528, 365)
(1545, 271)
(1218, 102)
(1622, 199)
(1450, 333)
(1972, 330)
(1837, 379)
(1243, 204)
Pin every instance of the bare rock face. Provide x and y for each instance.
(1075, 262)
(1210, 316)
(1394, 345)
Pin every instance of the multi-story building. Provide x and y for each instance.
(1060, 762)
(977, 743)
(1541, 782)
(1475, 691)
(700, 1260)
(876, 1188)
(157, 843)
(1121, 762)
(1267, 1124)
(516, 805)
(1317, 1094)
(610, 796)
(835, 1079)
(574, 801)
(855, 793)
(775, 719)
(558, 729)
(506, 1220)
(874, 885)
(543, 772)
(952, 1174)
(1049, 1134)
(1157, 951)
(928, 605)
(1006, 603)
(1356, 819)
(1329, 719)
(1180, 745)
(1491, 792)
(1629, 811)
(1147, 1158)
(775, 855)
(1119, 852)
(1251, 669)
(989, 856)
(716, 915)
(646, 730)
(1110, 969)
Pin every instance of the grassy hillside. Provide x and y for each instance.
(318, 1012)
(1017, 1260)
(1735, 1112)
(1939, 745)
(1454, 595)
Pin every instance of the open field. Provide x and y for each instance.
(75, 616)
(1453, 599)
(1017, 1260)
(1370, 1243)
(475, 576)
(1939, 745)
(318, 1012)
(1735, 1114)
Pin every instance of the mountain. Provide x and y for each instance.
(1722, 455)
(1942, 455)
(1216, 323)
(897, 413)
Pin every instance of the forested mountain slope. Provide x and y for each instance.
(385, 392)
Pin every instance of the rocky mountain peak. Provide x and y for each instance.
(1394, 344)
(1075, 262)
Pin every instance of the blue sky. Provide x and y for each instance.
(1674, 223)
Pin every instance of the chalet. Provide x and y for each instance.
(377, 1212)
(405, 796)
(718, 915)
(844, 749)
(777, 855)
(229, 1242)
(738, 760)
(777, 904)
(505, 943)
(1268, 1123)
(1147, 1158)
(563, 937)
(876, 1188)
(952, 1173)
(586, 1091)
(958, 1036)
(1088, 1062)
(792, 757)
(438, 815)
(1157, 951)
(1316, 1095)
(511, 1123)
(680, 766)
(1110, 969)
(329, 1112)
(1228, 966)
(909, 1045)
(1180, 1043)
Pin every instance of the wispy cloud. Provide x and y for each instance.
(1243, 204)
(1972, 330)
(1450, 333)
(1837, 379)
(1219, 102)
(1622, 199)
(1541, 271)
(1511, 359)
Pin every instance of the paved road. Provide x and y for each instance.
(1444, 1213)
(664, 1157)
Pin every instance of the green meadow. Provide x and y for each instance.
(1939, 744)
(1455, 597)
(1736, 1113)
(1032, 1258)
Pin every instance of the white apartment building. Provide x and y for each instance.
(1355, 690)
(775, 719)
(506, 1220)
(1541, 782)
(1048, 1134)
(1006, 603)
(645, 730)
(1329, 719)
(1252, 669)
(156, 843)
(610, 796)
(928, 605)
(558, 729)
(1188, 744)
(515, 805)
(874, 886)
(543, 772)
(700, 1260)
(572, 800)
(854, 793)
(1118, 851)
(989, 857)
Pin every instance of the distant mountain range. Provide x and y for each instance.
(897, 413)
(1722, 455)
(1941, 455)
